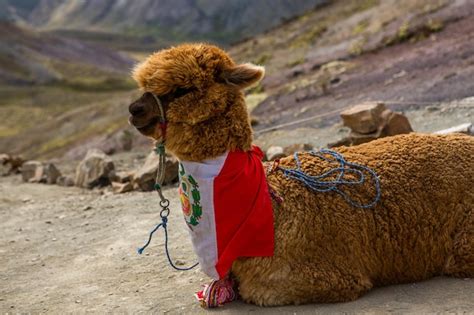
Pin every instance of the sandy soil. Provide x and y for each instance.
(72, 250)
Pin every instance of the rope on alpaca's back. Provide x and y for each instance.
(333, 179)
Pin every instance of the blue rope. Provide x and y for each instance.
(164, 221)
(324, 183)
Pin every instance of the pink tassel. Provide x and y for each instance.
(217, 293)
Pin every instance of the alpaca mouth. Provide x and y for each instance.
(145, 125)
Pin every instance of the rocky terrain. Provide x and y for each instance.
(70, 246)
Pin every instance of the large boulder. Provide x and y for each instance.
(37, 172)
(363, 118)
(144, 178)
(95, 170)
(394, 123)
(370, 121)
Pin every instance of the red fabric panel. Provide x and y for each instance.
(243, 210)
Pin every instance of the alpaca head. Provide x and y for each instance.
(200, 89)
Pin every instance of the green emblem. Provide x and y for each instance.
(190, 198)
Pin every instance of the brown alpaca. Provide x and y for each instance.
(325, 249)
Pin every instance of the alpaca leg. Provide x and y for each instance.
(303, 284)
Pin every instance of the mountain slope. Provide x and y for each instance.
(27, 57)
(408, 53)
(223, 21)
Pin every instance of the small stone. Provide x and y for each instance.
(467, 128)
(346, 141)
(86, 208)
(297, 147)
(123, 177)
(120, 188)
(48, 222)
(274, 153)
(37, 172)
(29, 170)
(65, 181)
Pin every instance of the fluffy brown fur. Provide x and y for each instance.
(325, 249)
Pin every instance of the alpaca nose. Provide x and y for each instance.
(136, 108)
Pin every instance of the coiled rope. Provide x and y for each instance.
(335, 178)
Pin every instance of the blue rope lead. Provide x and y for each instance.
(323, 183)
(165, 227)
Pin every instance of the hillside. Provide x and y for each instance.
(412, 54)
(44, 78)
(409, 53)
(165, 21)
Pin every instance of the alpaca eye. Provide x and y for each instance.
(179, 92)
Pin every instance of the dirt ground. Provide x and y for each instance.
(74, 250)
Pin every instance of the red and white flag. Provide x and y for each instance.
(228, 210)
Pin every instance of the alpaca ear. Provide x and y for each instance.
(244, 75)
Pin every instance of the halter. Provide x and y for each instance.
(160, 177)
(163, 122)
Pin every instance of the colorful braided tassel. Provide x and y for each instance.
(217, 293)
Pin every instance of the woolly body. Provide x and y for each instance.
(325, 249)
(329, 251)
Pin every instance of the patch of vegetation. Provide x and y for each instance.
(360, 27)
(434, 6)
(99, 84)
(262, 59)
(357, 47)
(256, 89)
(413, 34)
(309, 37)
(363, 5)
(296, 62)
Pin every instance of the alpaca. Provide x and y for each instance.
(325, 249)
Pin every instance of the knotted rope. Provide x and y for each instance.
(333, 179)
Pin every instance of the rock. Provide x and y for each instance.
(394, 123)
(274, 153)
(118, 142)
(364, 118)
(37, 172)
(466, 128)
(65, 181)
(357, 138)
(298, 147)
(120, 188)
(29, 171)
(346, 141)
(94, 170)
(144, 178)
(14, 162)
(51, 173)
(123, 177)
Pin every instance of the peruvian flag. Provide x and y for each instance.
(227, 207)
